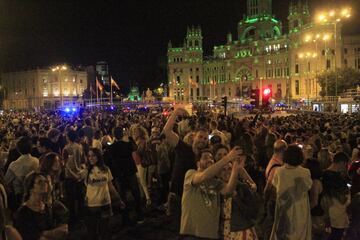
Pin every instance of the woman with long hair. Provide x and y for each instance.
(99, 192)
(52, 166)
(235, 223)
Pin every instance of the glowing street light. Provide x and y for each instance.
(345, 12)
(59, 69)
(336, 17)
(321, 17)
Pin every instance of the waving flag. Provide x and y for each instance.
(113, 83)
(99, 85)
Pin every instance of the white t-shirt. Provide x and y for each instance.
(97, 189)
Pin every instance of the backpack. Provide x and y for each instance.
(147, 158)
(246, 205)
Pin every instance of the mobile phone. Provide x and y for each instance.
(349, 185)
(300, 146)
(210, 136)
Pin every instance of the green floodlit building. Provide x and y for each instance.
(262, 56)
(134, 94)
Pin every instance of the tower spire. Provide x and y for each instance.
(259, 7)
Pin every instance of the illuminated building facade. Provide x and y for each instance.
(43, 88)
(262, 57)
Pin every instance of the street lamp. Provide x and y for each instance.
(315, 39)
(336, 16)
(308, 56)
(59, 69)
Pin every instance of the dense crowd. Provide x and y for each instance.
(214, 176)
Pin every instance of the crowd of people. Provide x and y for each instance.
(213, 176)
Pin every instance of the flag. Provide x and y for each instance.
(92, 90)
(113, 83)
(99, 85)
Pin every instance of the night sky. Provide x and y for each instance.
(130, 35)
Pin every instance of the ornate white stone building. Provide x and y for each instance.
(263, 56)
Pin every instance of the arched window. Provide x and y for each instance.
(249, 33)
(277, 31)
(196, 43)
(296, 23)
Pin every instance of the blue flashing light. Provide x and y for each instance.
(112, 108)
(74, 109)
(67, 109)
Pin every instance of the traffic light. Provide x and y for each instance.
(266, 96)
(255, 94)
(224, 103)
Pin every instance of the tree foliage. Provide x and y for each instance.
(347, 78)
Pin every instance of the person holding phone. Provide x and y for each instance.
(200, 205)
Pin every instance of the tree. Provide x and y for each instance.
(347, 78)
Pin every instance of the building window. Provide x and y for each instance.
(178, 79)
(297, 87)
(297, 68)
(197, 79)
(197, 92)
(81, 81)
(345, 62)
(229, 92)
(256, 73)
(345, 50)
(191, 92)
(358, 63)
(197, 69)
(309, 67)
(328, 64)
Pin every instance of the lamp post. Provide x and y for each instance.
(2, 88)
(308, 56)
(59, 69)
(335, 18)
(315, 39)
(325, 39)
